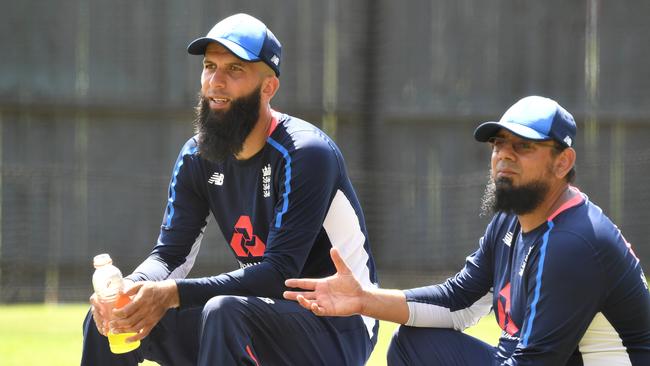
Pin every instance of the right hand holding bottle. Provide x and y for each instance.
(150, 302)
(101, 314)
(102, 311)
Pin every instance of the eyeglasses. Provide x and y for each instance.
(521, 147)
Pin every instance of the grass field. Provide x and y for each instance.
(51, 335)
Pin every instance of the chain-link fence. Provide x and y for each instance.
(96, 100)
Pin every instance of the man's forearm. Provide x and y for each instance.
(383, 304)
(258, 280)
(170, 293)
(167, 291)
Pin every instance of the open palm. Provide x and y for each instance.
(336, 295)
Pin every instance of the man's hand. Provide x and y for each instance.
(102, 311)
(150, 302)
(100, 314)
(337, 295)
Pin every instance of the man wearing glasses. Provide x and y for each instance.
(566, 287)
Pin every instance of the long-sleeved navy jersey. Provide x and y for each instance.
(570, 292)
(280, 211)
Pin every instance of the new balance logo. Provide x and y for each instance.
(507, 239)
(216, 179)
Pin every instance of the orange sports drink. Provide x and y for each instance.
(109, 286)
(117, 342)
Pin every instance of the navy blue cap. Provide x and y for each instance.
(533, 118)
(246, 37)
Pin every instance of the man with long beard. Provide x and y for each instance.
(566, 287)
(278, 188)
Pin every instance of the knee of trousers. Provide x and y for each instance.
(404, 342)
(394, 354)
(89, 328)
(224, 309)
(88, 320)
(409, 335)
(402, 334)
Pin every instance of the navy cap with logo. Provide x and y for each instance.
(534, 118)
(246, 37)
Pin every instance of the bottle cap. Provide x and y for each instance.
(102, 260)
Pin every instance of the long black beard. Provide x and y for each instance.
(222, 133)
(503, 196)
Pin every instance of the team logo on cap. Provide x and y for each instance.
(275, 59)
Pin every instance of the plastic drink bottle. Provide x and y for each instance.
(109, 285)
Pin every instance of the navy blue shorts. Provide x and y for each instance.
(236, 330)
(413, 346)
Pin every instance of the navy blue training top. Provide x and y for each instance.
(570, 292)
(280, 212)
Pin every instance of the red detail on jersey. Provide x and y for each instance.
(274, 121)
(250, 353)
(503, 304)
(244, 242)
(575, 201)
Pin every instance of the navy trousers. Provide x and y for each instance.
(413, 346)
(236, 330)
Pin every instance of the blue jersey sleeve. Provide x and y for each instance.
(310, 176)
(466, 287)
(183, 223)
(563, 297)
(307, 192)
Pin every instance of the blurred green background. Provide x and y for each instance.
(96, 99)
(51, 335)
